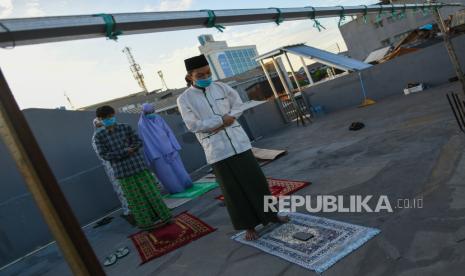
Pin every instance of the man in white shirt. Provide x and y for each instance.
(210, 110)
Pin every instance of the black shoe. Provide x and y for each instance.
(356, 126)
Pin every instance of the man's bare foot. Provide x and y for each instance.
(251, 235)
(283, 219)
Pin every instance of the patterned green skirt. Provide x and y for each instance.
(144, 199)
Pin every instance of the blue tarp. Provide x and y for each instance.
(427, 27)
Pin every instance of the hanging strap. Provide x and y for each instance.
(110, 26)
(211, 21)
(403, 12)
(431, 8)
(393, 12)
(342, 16)
(279, 18)
(365, 14)
(424, 10)
(380, 14)
(316, 23)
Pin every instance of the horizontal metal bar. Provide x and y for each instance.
(27, 31)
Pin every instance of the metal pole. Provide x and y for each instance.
(292, 72)
(275, 92)
(309, 76)
(362, 85)
(450, 48)
(31, 163)
(270, 81)
(281, 77)
(26, 31)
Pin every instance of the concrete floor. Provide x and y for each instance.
(410, 148)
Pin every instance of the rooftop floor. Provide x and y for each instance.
(410, 148)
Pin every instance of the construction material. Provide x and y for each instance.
(449, 47)
(267, 154)
(414, 88)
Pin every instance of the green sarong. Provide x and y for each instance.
(144, 199)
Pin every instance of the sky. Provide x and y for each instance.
(95, 70)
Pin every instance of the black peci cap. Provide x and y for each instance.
(195, 62)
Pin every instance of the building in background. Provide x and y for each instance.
(164, 101)
(363, 38)
(227, 61)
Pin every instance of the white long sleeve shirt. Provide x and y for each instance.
(203, 112)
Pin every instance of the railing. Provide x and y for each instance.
(289, 109)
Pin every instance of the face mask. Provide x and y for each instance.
(150, 116)
(109, 121)
(204, 82)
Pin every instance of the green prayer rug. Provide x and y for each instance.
(198, 189)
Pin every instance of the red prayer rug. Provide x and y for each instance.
(158, 242)
(280, 187)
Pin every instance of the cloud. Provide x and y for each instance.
(33, 9)
(268, 36)
(6, 8)
(51, 71)
(172, 66)
(169, 5)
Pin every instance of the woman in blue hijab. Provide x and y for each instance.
(161, 151)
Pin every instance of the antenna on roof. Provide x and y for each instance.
(163, 82)
(69, 101)
(135, 69)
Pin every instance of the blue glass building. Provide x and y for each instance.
(227, 61)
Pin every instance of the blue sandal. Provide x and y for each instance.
(122, 252)
(110, 260)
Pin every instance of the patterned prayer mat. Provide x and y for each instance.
(156, 243)
(198, 189)
(332, 240)
(280, 187)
